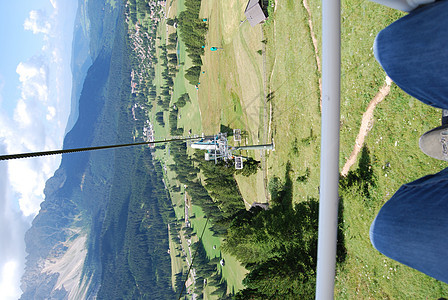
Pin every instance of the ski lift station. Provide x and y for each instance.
(217, 148)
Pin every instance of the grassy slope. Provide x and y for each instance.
(293, 82)
(231, 91)
(393, 140)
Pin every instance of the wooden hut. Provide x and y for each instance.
(254, 12)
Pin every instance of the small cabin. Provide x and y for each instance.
(254, 12)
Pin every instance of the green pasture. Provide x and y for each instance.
(392, 144)
(232, 271)
(190, 114)
(176, 261)
(232, 89)
(295, 99)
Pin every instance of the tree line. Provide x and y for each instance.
(193, 30)
(278, 246)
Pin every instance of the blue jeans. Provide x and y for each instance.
(414, 53)
(412, 227)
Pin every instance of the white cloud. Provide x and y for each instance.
(37, 123)
(51, 113)
(54, 4)
(9, 275)
(34, 126)
(41, 113)
(21, 115)
(33, 78)
(37, 22)
(30, 182)
(27, 71)
(12, 229)
(28, 176)
(56, 56)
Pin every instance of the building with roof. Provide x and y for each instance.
(264, 206)
(254, 12)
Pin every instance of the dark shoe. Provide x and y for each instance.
(435, 143)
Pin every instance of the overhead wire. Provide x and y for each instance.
(74, 150)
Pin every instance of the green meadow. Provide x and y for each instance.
(391, 147)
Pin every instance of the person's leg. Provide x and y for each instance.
(412, 227)
(414, 53)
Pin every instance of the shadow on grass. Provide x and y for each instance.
(363, 177)
(286, 194)
(226, 129)
(365, 180)
(341, 251)
(270, 96)
(284, 197)
(279, 245)
(264, 7)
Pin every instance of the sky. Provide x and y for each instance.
(35, 89)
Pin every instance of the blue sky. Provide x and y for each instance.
(35, 88)
(18, 44)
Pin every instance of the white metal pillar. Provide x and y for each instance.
(329, 168)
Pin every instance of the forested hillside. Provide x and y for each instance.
(129, 234)
(134, 239)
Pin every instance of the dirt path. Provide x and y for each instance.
(367, 118)
(316, 48)
(366, 125)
